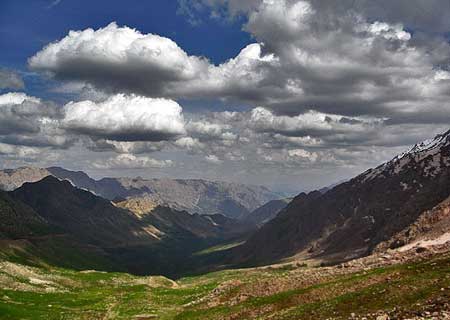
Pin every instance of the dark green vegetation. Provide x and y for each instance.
(275, 293)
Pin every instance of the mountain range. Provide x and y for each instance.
(135, 225)
(194, 195)
(132, 235)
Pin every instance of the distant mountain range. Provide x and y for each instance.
(388, 206)
(194, 195)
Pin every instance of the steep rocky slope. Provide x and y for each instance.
(194, 195)
(432, 227)
(351, 219)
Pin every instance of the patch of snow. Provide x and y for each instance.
(427, 155)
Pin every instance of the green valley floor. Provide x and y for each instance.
(409, 285)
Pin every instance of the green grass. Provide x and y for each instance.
(104, 295)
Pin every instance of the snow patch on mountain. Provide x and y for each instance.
(426, 156)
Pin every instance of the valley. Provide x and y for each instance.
(350, 252)
(225, 160)
(404, 285)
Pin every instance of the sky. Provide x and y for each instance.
(290, 94)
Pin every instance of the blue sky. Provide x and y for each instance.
(26, 26)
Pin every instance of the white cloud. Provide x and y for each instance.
(126, 118)
(118, 58)
(15, 98)
(306, 58)
(302, 155)
(130, 161)
(313, 122)
(335, 84)
(29, 121)
(189, 143)
(18, 151)
(206, 129)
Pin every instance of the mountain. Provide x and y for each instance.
(266, 212)
(192, 195)
(353, 218)
(431, 228)
(11, 179)
(80, 213)
(19, 220)
(170, 223)
(51, 218)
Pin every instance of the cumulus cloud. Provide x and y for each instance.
(308, 57)
(10, 80)
(118, 59)
(29, 121)
(130, 161)
(125, 118)
(309, 123)
(323, 86)
(426, 15)
(343, 64)
(122, 59)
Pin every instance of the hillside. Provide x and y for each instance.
(354, 217)
(18, 220)
(398, 285)
(53, 217)
(195, 195)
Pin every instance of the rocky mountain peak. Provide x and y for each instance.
(428, 158)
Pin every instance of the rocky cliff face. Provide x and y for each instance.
(194, 195)
(354, 217)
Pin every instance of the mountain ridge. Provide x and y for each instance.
(351, 219)
(192, 195)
